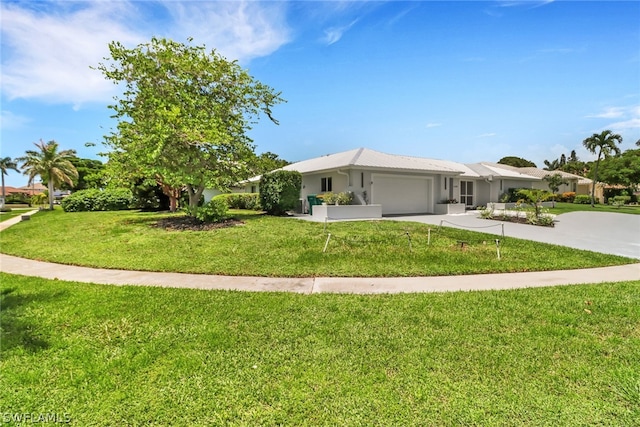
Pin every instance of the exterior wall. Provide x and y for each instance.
(544, 185)
(484, 192)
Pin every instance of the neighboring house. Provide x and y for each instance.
(572, 180)
(30, 190)
(401, 184)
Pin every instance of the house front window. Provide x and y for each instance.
(466, 193)
(326, 184)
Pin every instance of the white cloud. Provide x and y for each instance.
(433, 125)
(487, 135)
(238, 30)
(624, 125)
(629, 118)
(10, 121)
(609, 113)
(47, 55)
(334, 34)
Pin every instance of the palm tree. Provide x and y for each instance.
(603, 143)
(51, 165)
(7, 164)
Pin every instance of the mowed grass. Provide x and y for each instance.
(561, 208)
(284, 247)
(108, 355)
(14, 213)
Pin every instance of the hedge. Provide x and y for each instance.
(250, 201)
(98, 200)
(280, 191)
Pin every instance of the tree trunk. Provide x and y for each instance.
(3, 196)
(50, 193)
(595, 181)
(194, 197)
(172, 193)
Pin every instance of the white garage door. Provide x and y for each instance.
(402, 195)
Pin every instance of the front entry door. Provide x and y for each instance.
(466, 193)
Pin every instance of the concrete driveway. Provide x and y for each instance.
(604, 232)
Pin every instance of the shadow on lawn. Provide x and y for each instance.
(16, 331)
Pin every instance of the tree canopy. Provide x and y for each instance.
(517, 162)
(90, 175)
(623, 169)
(184, 115)
(267, 162)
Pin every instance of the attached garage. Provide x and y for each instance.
(402, 194)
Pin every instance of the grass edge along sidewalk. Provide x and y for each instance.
(356, 285)
(283, 247)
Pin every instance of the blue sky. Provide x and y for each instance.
(466, 81)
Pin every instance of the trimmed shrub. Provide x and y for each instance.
(343, 198)
(98, 200)
(280, 191)
(5, 209)
(17, 199)
(214, 211)
(567, 197)
(618, 201)
(250, 201)
(583, 199)
(512, 195)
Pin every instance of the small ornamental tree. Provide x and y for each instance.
(534, 198)
(184, 115)
(280, 191)
(554, 182)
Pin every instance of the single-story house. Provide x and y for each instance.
(401, 184)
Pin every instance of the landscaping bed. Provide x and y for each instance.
(188, 223)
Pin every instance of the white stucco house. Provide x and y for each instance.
(403, 184)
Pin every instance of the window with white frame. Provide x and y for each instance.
(326, 184)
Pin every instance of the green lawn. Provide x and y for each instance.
(14, 213)
(106, 355)
(573, 207)
(285, 247)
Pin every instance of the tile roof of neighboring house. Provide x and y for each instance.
(538, 173)
(585, 181)
(36, 186)
(22, 190)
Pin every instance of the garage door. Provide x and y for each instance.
(402, 195)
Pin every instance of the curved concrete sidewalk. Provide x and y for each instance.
(374, 285)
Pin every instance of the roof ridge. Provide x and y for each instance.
(356, 156)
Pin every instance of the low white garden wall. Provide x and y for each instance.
(511, 205)
(450, 208)
(321, 212)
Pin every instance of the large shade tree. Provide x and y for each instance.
(517, 162)
(602, 145)
(622, 170)
(184, 115)
(53, 166)
(7, 164)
